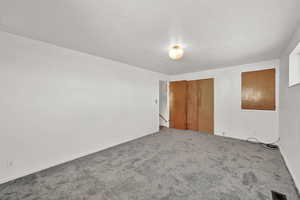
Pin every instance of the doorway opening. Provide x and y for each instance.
(163, 103)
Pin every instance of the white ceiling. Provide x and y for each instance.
(215, 33)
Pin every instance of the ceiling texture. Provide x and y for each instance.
(213, 33)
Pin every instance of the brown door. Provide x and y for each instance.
(193, 105)
(178, 106)
(206, 106)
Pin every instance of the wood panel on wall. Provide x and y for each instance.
(259, 90)
(178, 104)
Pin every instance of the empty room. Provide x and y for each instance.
(149, 100)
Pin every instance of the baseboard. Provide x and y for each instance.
(287, 165)
(71, 158)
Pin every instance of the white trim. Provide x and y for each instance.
(62, 161)
(288, 165)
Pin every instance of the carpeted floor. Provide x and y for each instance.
(169, 165)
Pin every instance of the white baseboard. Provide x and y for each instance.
(288, 165)
(45, 166)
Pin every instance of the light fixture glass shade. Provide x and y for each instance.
(176, 52)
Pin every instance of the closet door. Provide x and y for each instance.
(178, 104)
(206, 106)
(192, 105)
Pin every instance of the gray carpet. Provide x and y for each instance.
(169, 165)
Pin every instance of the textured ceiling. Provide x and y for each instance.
(138, 32)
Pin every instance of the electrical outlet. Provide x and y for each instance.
(10, 163)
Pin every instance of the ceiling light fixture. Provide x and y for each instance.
(176, 52)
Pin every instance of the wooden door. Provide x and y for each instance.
(192, 105)
(206, 106)
(178, 105)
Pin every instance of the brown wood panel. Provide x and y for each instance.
(192, 105)
(178, 104)
(259, 90)
(206, 106)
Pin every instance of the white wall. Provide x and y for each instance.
(289, 116)
(57, 104)
(230, 119)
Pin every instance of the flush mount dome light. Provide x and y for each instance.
(176, 52)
